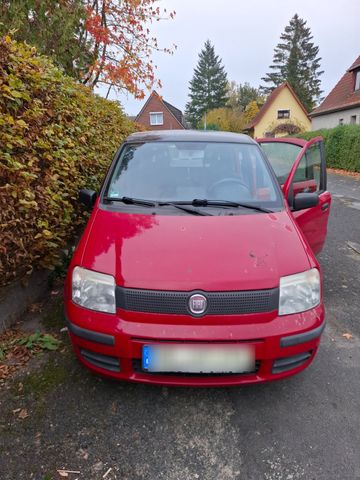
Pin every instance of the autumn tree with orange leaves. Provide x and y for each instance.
(121, 43)
(95, 41)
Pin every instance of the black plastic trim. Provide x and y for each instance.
(288, 363)
(103, 361)
(176, 302)
(302, 337)
(91, 335)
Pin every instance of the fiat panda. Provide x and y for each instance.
(197, 265)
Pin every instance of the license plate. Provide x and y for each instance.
(198, 358)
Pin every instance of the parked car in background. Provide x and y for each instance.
(197, 265)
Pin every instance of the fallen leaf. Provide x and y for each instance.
(35, 307)
(23, 414)
(348, 336)
(62, 473)
(82, 453)
(17, 410)
(65, 473)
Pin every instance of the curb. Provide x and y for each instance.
(16, 298)
(344, 173)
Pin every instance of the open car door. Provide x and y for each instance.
(300, 168)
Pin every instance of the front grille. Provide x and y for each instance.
(99, 360)
(219, 303)
(137, 368)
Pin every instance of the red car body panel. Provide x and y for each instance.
(262, 331)
(158, 250)
(209, 253)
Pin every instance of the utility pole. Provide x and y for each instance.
(205, 121)
(108, 92)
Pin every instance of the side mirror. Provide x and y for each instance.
(305, 200)
(87, 197)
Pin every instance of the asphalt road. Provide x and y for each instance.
(307, 427)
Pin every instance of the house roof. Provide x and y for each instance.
(342, 96)
(175, 112)
(270, 99)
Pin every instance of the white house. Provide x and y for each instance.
(342, 105)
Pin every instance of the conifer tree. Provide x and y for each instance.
(296, 60)
(208, 87)
(240, 95)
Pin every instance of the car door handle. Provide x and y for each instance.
(325, 206)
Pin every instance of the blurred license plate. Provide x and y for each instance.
(198, 358)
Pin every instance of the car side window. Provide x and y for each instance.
(308, 174)
(281, 156)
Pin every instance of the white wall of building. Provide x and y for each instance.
(331, 120)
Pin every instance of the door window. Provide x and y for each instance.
(281, 156)
(308, 175)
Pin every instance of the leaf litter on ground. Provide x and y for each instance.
(17, 347)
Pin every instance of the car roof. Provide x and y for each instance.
(189, 136)
(300, 142)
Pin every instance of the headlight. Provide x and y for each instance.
(299, 292)
(93, 290)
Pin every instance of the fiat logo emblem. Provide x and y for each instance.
(197, 304)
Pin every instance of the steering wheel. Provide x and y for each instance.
(225, 181)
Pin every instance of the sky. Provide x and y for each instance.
(244, 33)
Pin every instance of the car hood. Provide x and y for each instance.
(188, 252)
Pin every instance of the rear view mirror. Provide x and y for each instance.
(87, 197)
(305, 200)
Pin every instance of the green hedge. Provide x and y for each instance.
(56, 137)
(342, 146)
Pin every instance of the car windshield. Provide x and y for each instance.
(183, 171)
(281, 156)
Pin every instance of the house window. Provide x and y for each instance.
(341, 121)
(156, 118)
(357, 80)
(353, 119)
(283, 114)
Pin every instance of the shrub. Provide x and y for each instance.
(342, 146)
(226, 119)
(288, 128)
(56, 137)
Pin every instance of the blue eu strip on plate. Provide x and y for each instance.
(146, 357)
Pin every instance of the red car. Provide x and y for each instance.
(197, 266)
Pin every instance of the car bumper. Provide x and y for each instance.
(112, 346)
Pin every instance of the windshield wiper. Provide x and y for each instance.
(131, 201)
(224, 203)
(180, 206)
(150, 203)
